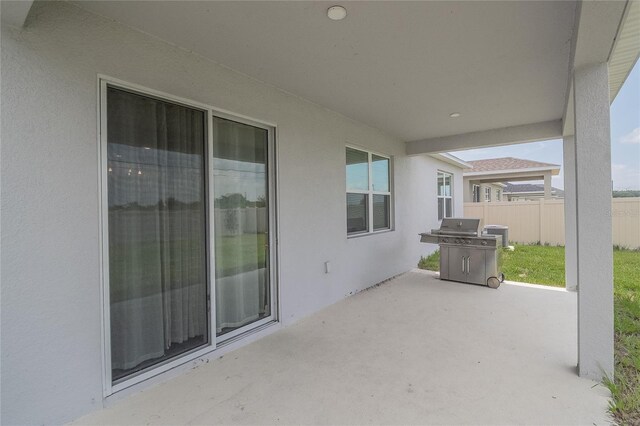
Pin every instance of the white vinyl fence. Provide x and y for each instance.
(543, 220)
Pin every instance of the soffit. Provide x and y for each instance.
(626, 49)
(402, 67)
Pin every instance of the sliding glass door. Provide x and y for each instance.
(241, 225)
(188, 222)
(156, 180)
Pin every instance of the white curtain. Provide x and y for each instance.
(157, 245)
(244, 299)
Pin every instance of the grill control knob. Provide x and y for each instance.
(484, 243)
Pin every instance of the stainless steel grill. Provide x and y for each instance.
(467, 255)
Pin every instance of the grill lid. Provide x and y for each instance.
(459, 226)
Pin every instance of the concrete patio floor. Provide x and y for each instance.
(413, 350)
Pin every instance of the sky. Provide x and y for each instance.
(625, 141)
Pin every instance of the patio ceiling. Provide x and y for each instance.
(402, 67)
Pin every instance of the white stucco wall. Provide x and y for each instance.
(51, 306)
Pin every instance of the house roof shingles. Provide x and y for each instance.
(520, 188)
(506, 163)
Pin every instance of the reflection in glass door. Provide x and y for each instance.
(157, 248)
(241, 225)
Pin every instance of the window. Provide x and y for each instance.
(487, 194)
(498, 195)
(476, 193)
(445, 192)
(368, 192)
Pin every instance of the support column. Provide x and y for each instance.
(570, 229)
(467, 191)
(593, 221)
(547, 186)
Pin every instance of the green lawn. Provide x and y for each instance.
(545, 265)
(144, 263)
(240, 253)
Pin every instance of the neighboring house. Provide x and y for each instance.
(449, 185)
(486, 180)
(180, 179)
(486, 192)
(528, 192)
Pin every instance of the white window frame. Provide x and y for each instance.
(370, 193)
(444, 174)
(214, 342)
(498, 195)
(473, 193)
(487, 194)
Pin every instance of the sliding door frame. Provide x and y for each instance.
(109, 387)
(272, 243)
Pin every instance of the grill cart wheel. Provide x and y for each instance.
(501, 277)
(493, 282)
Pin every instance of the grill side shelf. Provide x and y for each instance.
(428, 238)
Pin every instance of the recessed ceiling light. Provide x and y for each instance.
(454, 115)
(336, 13)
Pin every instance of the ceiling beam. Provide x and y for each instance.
(504, 136)
(14, 13)
(597, 25)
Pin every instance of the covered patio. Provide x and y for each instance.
(335, 134)
(410, 350)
